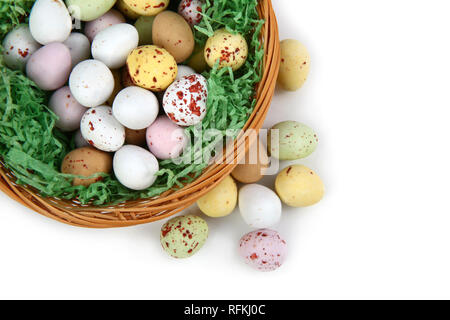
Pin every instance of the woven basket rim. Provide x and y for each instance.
(142, 211)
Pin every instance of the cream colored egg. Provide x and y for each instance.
(230, 49)
(147, 7)
(299, 186)
(220, 201)
(126, 10)
(294, 67)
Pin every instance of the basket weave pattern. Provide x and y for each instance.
(171, 202)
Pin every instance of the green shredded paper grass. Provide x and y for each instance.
(33, 149)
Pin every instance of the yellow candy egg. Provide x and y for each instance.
(230, 49)
(221, 200)
(152, 68)
(299, 186)
(126, 10)
(294, 67)
(147, 7)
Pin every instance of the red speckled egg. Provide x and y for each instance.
(191, 10)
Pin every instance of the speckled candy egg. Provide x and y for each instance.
(291, 140)
(18, 46)
(184, 71)
(183, 236)
(113, 45)
(50, 66)
(112, 17)
(88, 10)
(50, 21)
(79, 46)
(86, 162)
(147, 7)
(165, 139)
(135, 108)
(101, 130)
(191, 10)
(152, 68)
(91, 82)
(294, 67)
(220, 201)
(135, 167)
(126, 10)
(259, 206)
(264, 249)
(171, 32)
(69, 111)
(299, 186)
(230, 49)
(144, 26)
(185, 100)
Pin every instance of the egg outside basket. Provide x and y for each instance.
(171, 202)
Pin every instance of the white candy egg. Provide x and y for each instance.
(79, 46)
(69, 111)
(50, 21)
(91, 83)
(185, 100)
(135, 108)
(184, 71)
(135, 167)
(260, 207)
(79, 140)
(101, 130)
(18, 46)
(113, 45)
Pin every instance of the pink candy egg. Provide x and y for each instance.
(69, 111)
(263, 249)
(50, 66)
(165, 139)
(109, 19)
(191, 11)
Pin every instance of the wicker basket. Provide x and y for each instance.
(157, 208)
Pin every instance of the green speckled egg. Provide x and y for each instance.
(144, 26)
(88, 10)
(183, 236)
(296, 141)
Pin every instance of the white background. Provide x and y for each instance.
(378, 95)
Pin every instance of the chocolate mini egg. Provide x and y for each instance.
(86, 162)
(69, 111)
(191, 11)
(183, 236)
(220, 201)
(294, 67)
(126, 10)
(113, 44)
(79, 140)
(152, 68)
(18, 46)
(91, 82)
(259, 206)
(88, 10)
(136, 137)
(253, 166)
(147, 7)
(50, 66)
(50, 21)
(173, 33)
(135, 167)
(185, 100)
(101, 130)
(135, 108)
(109, 19)
(291, 140)
(144, 26)
(165, 139)
(79, 46)
(184, 71)
(230, 49)
(299, 186)
(264, 249)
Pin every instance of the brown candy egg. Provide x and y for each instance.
(86, 162)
